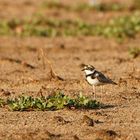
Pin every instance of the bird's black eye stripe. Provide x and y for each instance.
(89, 68)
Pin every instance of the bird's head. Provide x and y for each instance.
(88, 69)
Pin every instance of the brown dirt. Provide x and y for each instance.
(119, 121)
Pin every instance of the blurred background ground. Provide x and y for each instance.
(65, 31)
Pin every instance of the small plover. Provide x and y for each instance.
(96, 78)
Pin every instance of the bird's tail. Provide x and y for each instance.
(112, 82)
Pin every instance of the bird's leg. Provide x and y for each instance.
(94, 91)
(102, 89)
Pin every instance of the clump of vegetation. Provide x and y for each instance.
(84, 6)
(55, 4)
(119, 28)
(52, 102)
(134, 52)
(122, 27)
(103, 7)
(40, 26)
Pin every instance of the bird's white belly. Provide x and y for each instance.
(94, 82)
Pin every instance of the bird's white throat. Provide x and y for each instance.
(87, 72)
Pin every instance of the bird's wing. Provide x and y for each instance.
(101, 77)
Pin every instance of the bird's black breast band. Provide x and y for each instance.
(91, 74)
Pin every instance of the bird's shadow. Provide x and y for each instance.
(106, 106)
(100, 106)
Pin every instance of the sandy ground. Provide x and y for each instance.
(119, 121)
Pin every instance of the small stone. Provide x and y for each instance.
(5, 92)
(60, 120)
(87, 121)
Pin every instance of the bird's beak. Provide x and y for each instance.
(82, 69)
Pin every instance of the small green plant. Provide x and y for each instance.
(58, 101)
(21, 103)
(134, 52)
(53, 102)
(84, 102)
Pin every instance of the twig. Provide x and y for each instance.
(43, 58)
(52, 72)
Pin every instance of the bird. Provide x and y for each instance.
(96, 78)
